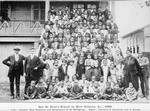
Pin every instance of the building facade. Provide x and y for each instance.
(21, 22)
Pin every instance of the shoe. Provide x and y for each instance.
(62, 98)
(47, 97)
(147, 97)
(52, 98)
(18, 97)
(142, 96)
(12, 97)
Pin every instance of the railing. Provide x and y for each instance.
(21, 27)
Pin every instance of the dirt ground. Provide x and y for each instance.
(5, 97)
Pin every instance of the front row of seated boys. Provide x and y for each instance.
(81, 89)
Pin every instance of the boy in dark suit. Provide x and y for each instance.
(80, 69)
(15, 64)
(62, 70)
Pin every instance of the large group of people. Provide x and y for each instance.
(79, 58)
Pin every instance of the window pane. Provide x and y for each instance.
(36, 6)
(36, 15)
(42, 14)
(75, 6)
(42, 5)
(89, 6)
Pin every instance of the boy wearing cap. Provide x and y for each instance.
(15, 64)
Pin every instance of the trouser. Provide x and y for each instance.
(59, 95)
(88, 95)
(15, 77)
(133, 78)
(144, 83)
(107, 97)
(75, 96)
(27, 83)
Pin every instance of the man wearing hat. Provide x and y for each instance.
(15, 64)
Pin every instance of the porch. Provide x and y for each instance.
(21, 27)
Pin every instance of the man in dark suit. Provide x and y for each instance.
(15, 64)
(33, 66)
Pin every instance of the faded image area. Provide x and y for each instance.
(74, 51)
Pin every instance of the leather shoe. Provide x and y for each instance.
(18, 97)
(142, 96)
(12, 97)
(147, 97)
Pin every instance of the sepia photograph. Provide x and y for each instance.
(75, 51)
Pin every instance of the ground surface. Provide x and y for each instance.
(5, 97)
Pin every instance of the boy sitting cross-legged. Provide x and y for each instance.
(108, 92)
(52, 89)
(131, 93)
(41, 88)
(118, 93)
(76, 91)
(31, 91)
(62, 91)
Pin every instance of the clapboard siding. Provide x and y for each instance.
(20, 11)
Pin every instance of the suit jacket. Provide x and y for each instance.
(62, 73)
(88, 74)
(80, 70)
(30, 64)
(97, 72)
(131, 65)
(10, 62)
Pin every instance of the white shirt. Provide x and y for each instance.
(71, 71)
(16, 57)
(105, 72)
(32, 56)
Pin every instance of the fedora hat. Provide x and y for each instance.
(17, 48)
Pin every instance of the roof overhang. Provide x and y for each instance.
(63, 0)
(135, 31)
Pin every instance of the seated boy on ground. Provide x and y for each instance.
(51, 92)
(88, 92)
(62, 91)
(108, 92)
(131, 93)
(41, 88)
(31, 91)
(76, 91)
(118, 93)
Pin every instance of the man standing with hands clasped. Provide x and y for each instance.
(32, 68)
(15, 64)
(144, 78)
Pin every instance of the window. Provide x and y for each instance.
(88, 5)
(91, 6)
(78, 6)
(39, 11)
